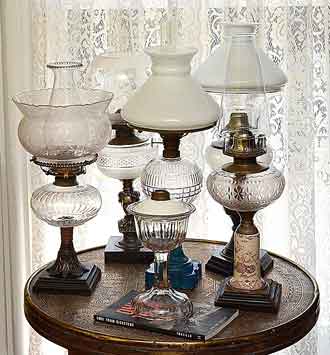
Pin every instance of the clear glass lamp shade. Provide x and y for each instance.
(66, 206)
(171, 100)
(236, 66)
(125, 161)
(245, 193)
(216, 159)
(120, 73)
(64, 132)
(182, 178)
(242, 74)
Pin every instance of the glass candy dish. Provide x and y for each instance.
(162, 225)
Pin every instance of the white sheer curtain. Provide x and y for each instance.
(294, 33)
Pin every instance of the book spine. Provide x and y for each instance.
(144, 327)
(114, 321)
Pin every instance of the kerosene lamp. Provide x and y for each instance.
(162, 225)
(246, 186)
(64, 128)
(172, 104)
(242, 74)
(124, 158)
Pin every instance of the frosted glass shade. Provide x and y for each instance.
(66, 206)
(245, 193)
(171, 100)
(235, 65)
(63, 132)
(120, 73)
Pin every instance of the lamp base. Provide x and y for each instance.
(183, 272)
(222, 265)
(264, 300)
(83, 285)
(114, 254)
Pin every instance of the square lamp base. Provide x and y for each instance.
(265, 300)
(115, 254)
(225, 266)
(83, 286)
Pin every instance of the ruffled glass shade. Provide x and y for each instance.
(65, 132)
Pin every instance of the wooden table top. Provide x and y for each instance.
(68, 320)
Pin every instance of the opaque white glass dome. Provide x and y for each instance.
(171, 100)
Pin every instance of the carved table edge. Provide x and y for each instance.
(38, 320)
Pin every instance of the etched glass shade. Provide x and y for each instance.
(182, 178)
(120, 73)
(125, 161)
(64, 124)
(66, 206)
(245, 193)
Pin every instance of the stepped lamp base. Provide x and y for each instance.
(185, 279)
(222, 265)
(265, 300)
(114, 254)
(83, 285)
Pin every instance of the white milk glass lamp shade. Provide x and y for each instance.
(66, 206)
(64, 124)
(120, 73)
(171, 100)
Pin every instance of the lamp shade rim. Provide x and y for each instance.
(161, 209)
(21, 99)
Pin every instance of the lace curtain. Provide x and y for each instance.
(295, 34)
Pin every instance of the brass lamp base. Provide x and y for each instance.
(265, 300)
(113, 253)
(219, 263)
(83, 285)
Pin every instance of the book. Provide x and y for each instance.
(206, 321)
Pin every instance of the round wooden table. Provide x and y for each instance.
(68, 320)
